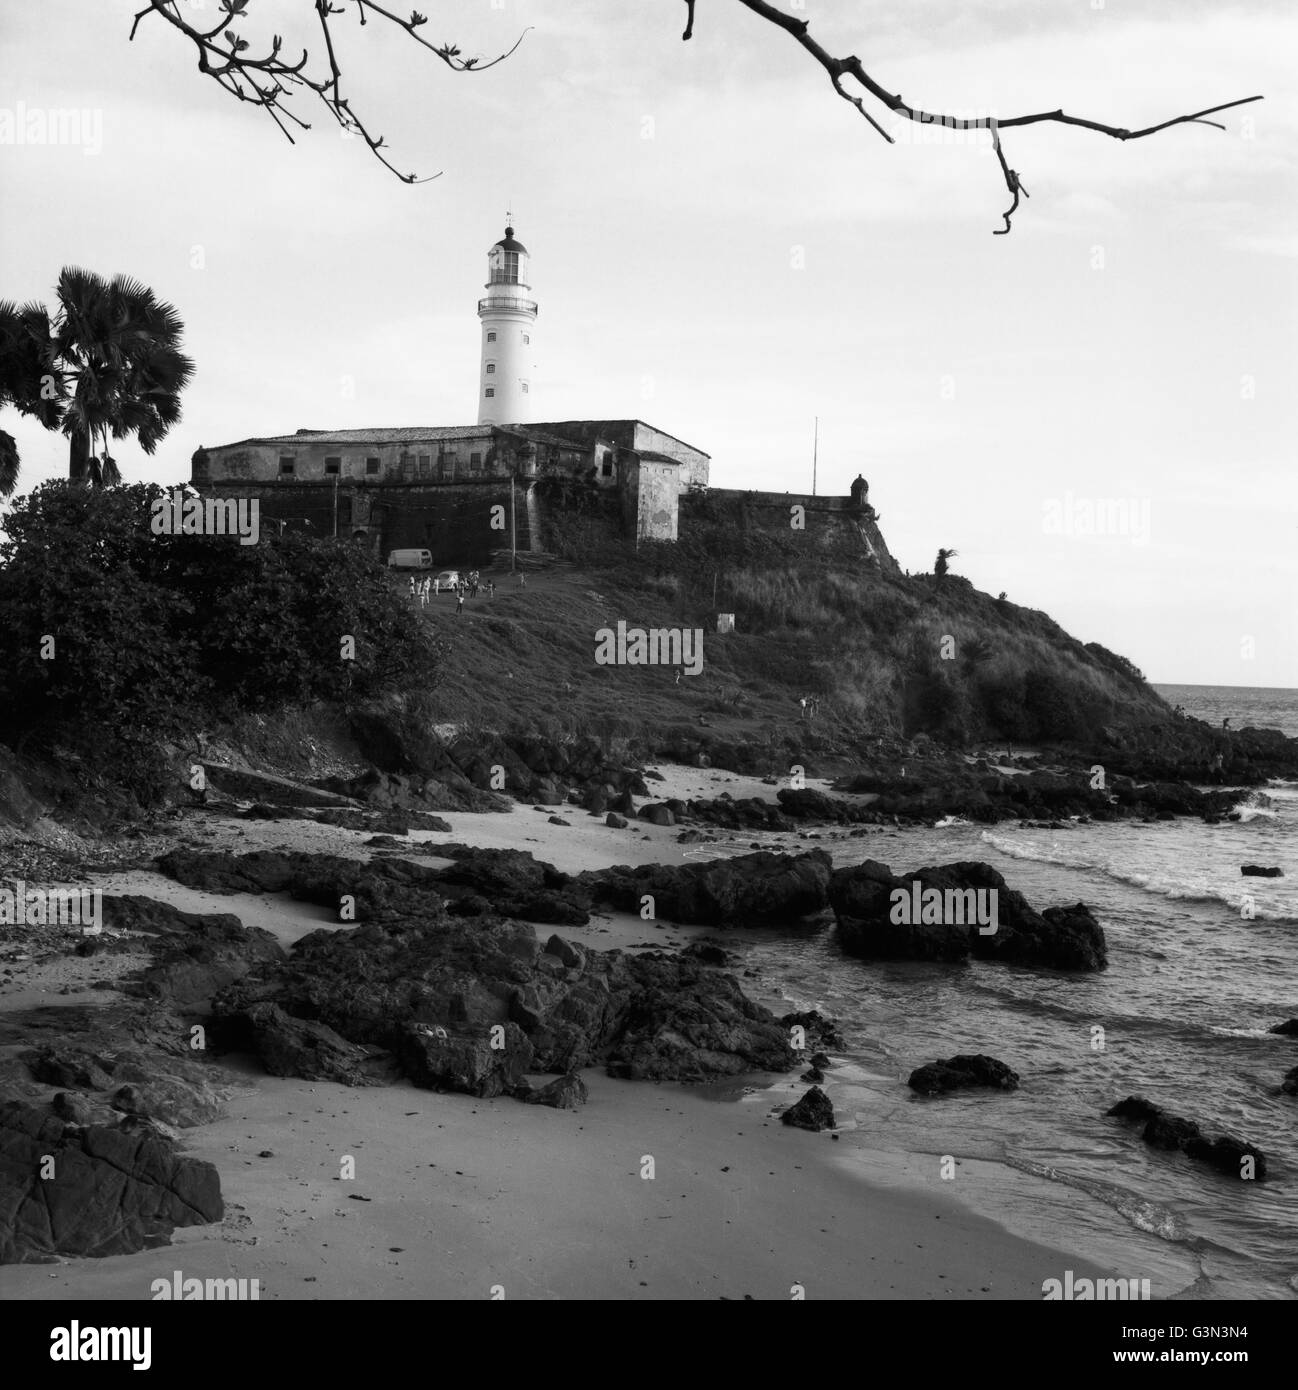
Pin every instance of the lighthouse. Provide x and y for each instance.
(508, 315)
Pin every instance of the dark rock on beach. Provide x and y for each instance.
(749, 888)
(313, 1051)
(814, 1112)
(1258, 871)
(474, 1004)
(1287, 1029)
(115, 1189)
(563, 1093)
(962, 1072)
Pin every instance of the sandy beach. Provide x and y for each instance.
(454, 1197)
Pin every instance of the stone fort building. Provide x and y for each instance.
(446, 487)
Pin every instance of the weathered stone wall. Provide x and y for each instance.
(828, 520)
(658, 501)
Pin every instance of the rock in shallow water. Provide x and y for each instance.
(876, 918)
(961, 1072)
(1234, 1157)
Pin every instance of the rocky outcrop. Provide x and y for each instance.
(474, 1005)
(876, 915)
(507, 881)
(965, 1071)
(109, 1189)
(814, 1112)
(1226, 1153)
(1259, 871)
(313, 1051)
(262, 871)
(189, 967)
(1288, 1029)
(515, 884)
(759, 887)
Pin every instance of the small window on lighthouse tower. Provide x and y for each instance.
(491, 368)
(491, 337)
(490, 391)
(527, 337)
(525, 388)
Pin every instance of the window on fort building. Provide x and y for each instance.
(491, 369)
(425, 465)
(475, 460)
(607, 470)
(286, 466)
(491, 337)
(371, 466)
(491, 391)
(333, 466)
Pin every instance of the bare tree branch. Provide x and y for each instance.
(840, 68)
(223, 56)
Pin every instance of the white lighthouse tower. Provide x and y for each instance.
(508, 317)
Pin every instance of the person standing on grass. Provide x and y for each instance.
(803, 703)
(459, 603)
(412, 587)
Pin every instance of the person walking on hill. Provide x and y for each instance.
(802, 701)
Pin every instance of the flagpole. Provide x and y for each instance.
(815, 452)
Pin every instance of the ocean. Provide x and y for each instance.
(1262, 706)
(1180, 1017)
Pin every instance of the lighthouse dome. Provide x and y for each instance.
(508, 243)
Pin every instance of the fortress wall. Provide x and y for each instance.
(828, 520)
(453, 520)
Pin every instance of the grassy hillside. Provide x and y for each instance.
(883, 654)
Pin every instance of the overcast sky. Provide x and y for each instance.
(724, 248)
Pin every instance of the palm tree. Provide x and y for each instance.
(8, 464)
(939, 565)
(30, 381)
(121, 348)
(108, 364)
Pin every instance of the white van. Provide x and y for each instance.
(410, 559)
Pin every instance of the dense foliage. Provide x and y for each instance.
(114, 635)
